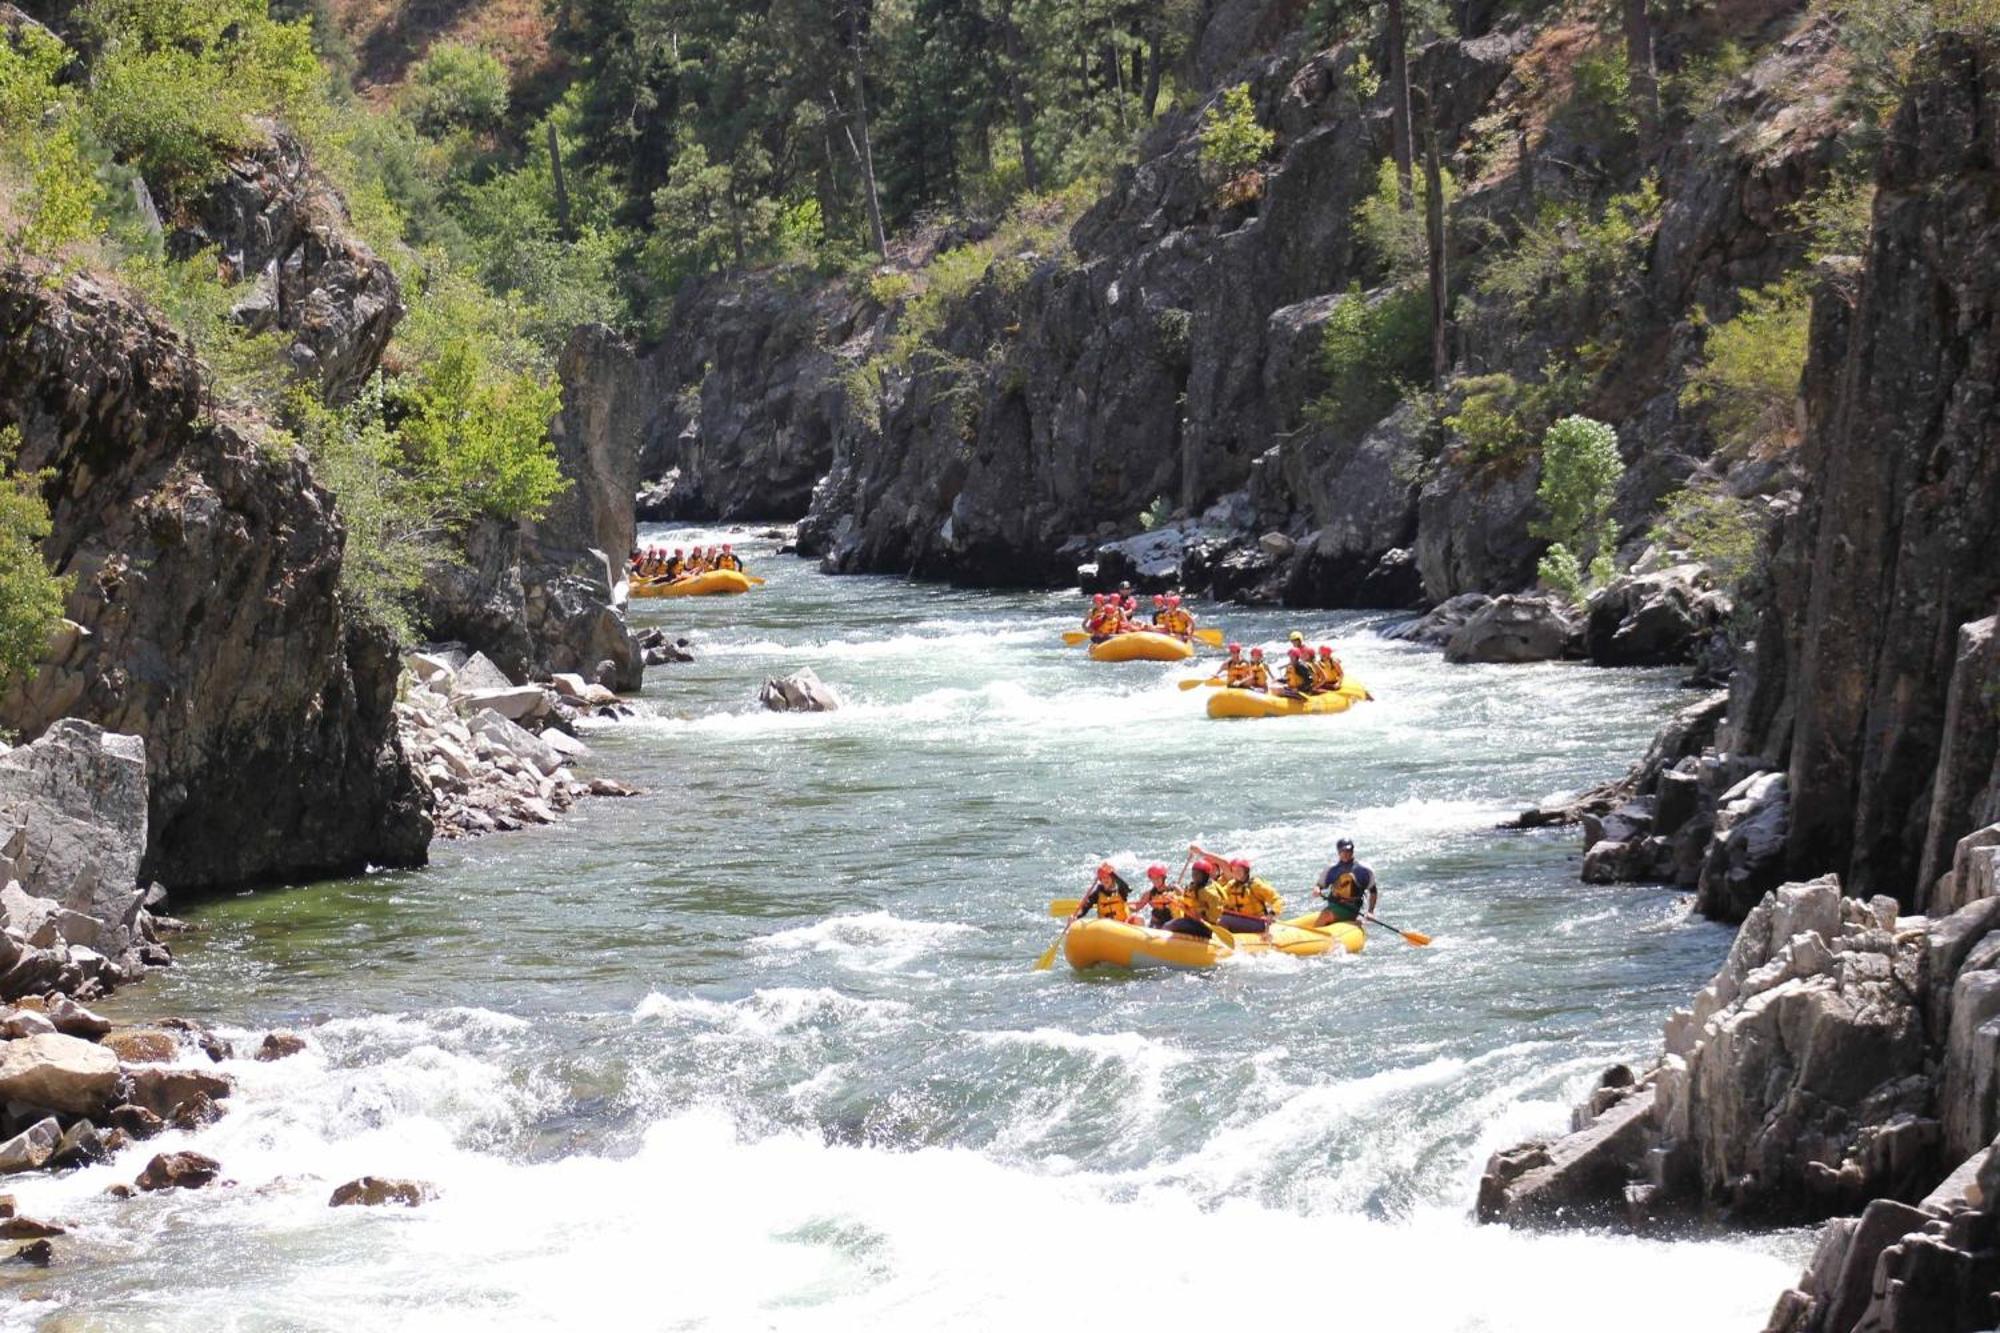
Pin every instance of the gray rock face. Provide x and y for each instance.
(1656, 619)
(1902, 511)
(1435, 628)
(283, 231)
(1967, 784)
(78, 797)
(801, 692)
(1746, 856)
(206, 574)
(1513, 629)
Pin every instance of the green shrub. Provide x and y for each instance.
(1568, 263)
(1490, 420)
(1837, 216)
(1715, 527)
(1698, 85)
(395, 524)
(1371, 351)
(1393, 235)
(247, 369)
(1232, 142)
(31, 598)
(480, 438)
(40, 144)
(1580, 473)
(1748, 379)
(175, 82)
(458, 87)
(1600, 104)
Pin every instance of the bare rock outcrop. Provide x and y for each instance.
(284, 235)
(206, 573)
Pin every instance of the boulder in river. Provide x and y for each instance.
(1654, 619)
(139, 1046)
(801, 692)
(57, 1072)
(374, 1191)
(279, 1044)
(32, 1147)
(1513, 629)
(178, 1171)
(163, 1091)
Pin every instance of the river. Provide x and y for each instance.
(763, 1049)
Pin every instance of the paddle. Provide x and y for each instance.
(1228, 940)
(1047, 960)
(1196, 682)
(1061, 907)
(753, 580)
(1416, 937)
(1211, 637)
(1075, 636)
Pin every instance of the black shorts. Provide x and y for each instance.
(1187, 925)
(1255, 925)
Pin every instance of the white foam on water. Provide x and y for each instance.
(704, 1229)
(864, 941)
(771, 1012)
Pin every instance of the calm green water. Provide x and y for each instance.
(763, 1049)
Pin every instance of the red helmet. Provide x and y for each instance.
(1173, 601)
(1106, 868)
(1257, 654)
(1238, 863)
(1159, 600)
(1205, 866)
(1326, 650)
(1098, 600)
(678, 550)
(727, 547)
(1235, 647)
(1156, 872)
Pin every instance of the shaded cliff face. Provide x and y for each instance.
(1897, 543)
(206, 570)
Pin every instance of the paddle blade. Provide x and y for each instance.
(1416, 937)
(753, 580)
(1213, 637)
(1062, 908)
(1048, 960)
(1075, 636)
(1227, 939)
(1196, 682)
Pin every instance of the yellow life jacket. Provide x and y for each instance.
(728, 561)
(1260, 675)
(1203, 903)
(1110, 903)
(1238, 675)
(1254, 898)
(1177, 621)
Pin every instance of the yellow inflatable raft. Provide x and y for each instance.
(1251, 703)
(1100, 943)
(715, 583)
(1142, 646)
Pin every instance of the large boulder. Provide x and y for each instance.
(58, 1073)
(78, 797)
(801, 692)
(1513, 629)
(1654, 619)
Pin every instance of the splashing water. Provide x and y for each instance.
(763, 1049)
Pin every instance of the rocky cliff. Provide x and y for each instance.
(1165, 354)
(206, 568)
(1862, 732)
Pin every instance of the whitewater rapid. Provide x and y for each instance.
(763, 1049)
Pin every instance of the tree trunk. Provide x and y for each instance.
(1024, 116)
(1153, 63)
(1434, 238)
(1399, 107)
(562, 187)
(1641, 79)
(875, 231)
